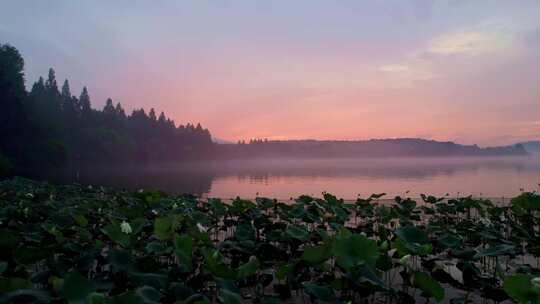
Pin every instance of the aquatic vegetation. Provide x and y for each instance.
(80, 244)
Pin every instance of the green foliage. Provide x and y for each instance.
(317, 254)
(297, 232)
(114, 232)
(321, 293)
(76, 288)
(412, 240)
(526, 201)
(249, 268)
(183, 247)
(12, 284)
(25, 296)
(520, 288)
(355, 250)
(229, 297)
(164, 227)
(76, 244)
(497, 250)
(428, 285)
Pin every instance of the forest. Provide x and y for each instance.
(49, 126)
(393, 147)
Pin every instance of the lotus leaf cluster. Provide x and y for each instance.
(84, 244)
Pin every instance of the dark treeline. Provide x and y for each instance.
(49, 126)
(400, 147)
(532, 146)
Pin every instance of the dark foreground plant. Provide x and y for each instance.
(80, 244)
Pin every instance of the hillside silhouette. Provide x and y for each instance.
(400, 147)
(49, 127)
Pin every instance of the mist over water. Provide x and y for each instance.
(346, 178)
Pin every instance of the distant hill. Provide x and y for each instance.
(221, 141)
(532, 146)
(401, 147)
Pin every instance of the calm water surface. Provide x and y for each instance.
(346, 178)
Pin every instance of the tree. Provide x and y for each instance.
(109, 114)
(38, 88)
(66, 92)
(171, 124)
(162, 119)
(152, 115)
(120, 113)
(25, 140)
(85, 107)
(12, 94)
(109, 109)
(11, 76)
(69, 105)
(51, 84)
(53, 100)
(48, 125)
(35, 100)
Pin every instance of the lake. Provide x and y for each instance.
(494, 177)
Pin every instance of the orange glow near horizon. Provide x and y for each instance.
(465, 72)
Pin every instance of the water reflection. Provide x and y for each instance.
(285, 178)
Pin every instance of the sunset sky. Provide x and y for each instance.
(466, 71)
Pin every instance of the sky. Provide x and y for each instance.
(457, 70)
